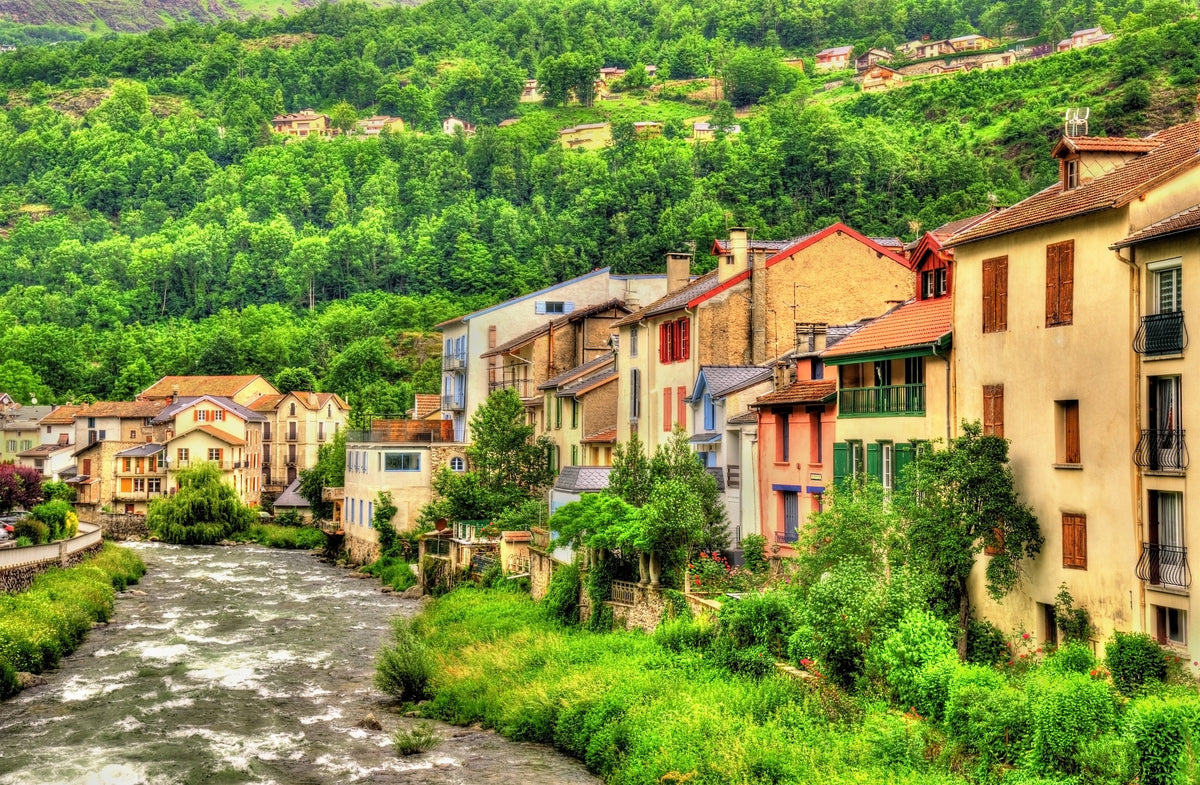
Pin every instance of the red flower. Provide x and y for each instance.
(1025, 636)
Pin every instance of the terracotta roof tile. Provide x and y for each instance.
(1179, 222)
(217, 433)
(607, 436)
(1112, 144)
(266, 403)
(63, 415)
(192, 386)
(1176, 151)
(745, 418)
(675, 300)
(425, 405)
(122, 409)
(915, 323)
(804, 391)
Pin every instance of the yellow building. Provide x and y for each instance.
(1046, 313)
(304, 123)
(297, 424)
(239, 389)
(374, 126)
(216, 430)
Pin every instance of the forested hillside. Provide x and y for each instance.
(150, 223)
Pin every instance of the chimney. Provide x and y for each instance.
(174, 392)
(738, 259)
(312, 400)
(679, 271)
(810, 337)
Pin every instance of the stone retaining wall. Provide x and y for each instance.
(118, 526)
(540, 568)
(21, 577)
(360, 551)
(644, 614)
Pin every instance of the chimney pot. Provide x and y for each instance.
(679, 271)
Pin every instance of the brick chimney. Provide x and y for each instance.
(679, 271)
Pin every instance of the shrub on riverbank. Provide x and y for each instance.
(404, 667)
(288, 537)
(393, 572)
(49, 619)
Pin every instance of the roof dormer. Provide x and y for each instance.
(1083, 159)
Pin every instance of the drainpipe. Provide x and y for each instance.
(1138, 524)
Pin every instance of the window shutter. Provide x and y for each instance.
(902, 456)
(196, 414)
(1066, 282)
(993, 410)
(681, 399)
(667, 410)
(539, 306)
(635, 392)
(841, 462)
(1160, 625)
(568, 307)
(989, 295)
(874, 461)
(1074, 541)
(1051, 285)
(684, 337)
(1071, 435)
(1000, 295)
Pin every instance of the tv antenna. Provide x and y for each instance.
(1077, 121)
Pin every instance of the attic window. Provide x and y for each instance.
(1071, 174)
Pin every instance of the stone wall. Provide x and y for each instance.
(121, 527)
(540, 568)
(360, 551)
(20, 578)
(644, 614)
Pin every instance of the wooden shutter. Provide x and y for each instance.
(1060, 283)
(681, 398)
(902, 456)
(684, 337)
(989, 295)
(667, 410)
(993, 410)
(1074, 541)
(874, 461)
(1051, 285)
(87, 467)
(1001, 294)
(841, 462)
(1071, 432)
(1160, 624)
(664, 344)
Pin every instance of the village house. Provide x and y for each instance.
(374, 126)
(835, 58)
(239, 389)
(1087, 389)
(302, 124)
(452, 125)
(52, 456)
(581, 421)
(919, 50)
(881, 77)
(870, 58)
(295, 426)
(530, 93)
(102, 430)
(706, 132)
(1082, 38)
(589, 136)
(20, 430)
(426, 407)
(971, 43)
(215, 430)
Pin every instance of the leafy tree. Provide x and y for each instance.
(329, 472)
(752, 74)
(59, 517)
(56, 489)
(959, 501)
(291, 379)
(629, 478)
(675, 460)
(343, 116)
(20, 486)
(204, 511)
(857, 523)
(19, 380)
(135, 377)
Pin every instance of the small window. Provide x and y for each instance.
(1074, 541)
(555, 306)
(292, 410)
(133, 436)
(214, 454)
(993, 410)
(783, 437)
(1071, 172)
(887, 467)
(1067, 427)
(219, 414)
(914, 370)
(941, 284)
(927, 284)
(457, 464)
(633, 341)
(1170, 625)
(402, 462)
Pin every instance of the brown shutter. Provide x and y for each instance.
(681, 395)
(993, 410)
(1074, 541)
(1071, 422)
(1160, 624)
(1051, 285)
(667, 409)
(1001, 294)
(989, 295)
(1066, 282)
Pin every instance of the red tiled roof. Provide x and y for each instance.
(1113, 144)
(217, 433)
(63, 415)
(1179, 222)
(122, 409)
(195, 386)
(916, 323)
(607, 436)
(804, 391)
(266, 403)
(1175, 153)
(425, 405)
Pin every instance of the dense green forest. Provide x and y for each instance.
(150, 223)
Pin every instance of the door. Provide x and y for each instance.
(1165, 444)
(791, 516)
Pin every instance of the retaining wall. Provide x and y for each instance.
(119, 526)
(19, 566)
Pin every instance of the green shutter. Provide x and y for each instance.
(875, 461)
(902, 456)
(841, 463)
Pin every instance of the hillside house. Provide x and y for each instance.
(295, 426)
(706, 132)
(452, 125)
(589, 136)
(971, 43)
(1082, 38)
(881, 77)
(302, 124)
(216, 430)
(870, 58)
(835, 58)
(374, 126)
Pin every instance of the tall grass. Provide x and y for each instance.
(48, 620)
(288, 537)
(636, 714)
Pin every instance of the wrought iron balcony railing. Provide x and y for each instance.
(1164, 565)
(1162, 450)
(1161, 333)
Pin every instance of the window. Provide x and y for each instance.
(1048, 623)
(681, 406)
(1071, 174)
(1060, 284)
(666, 342)
(710, 412)
(783, 436)
(1168, 288)
(552, 306)
(557, 412)
(292, 410)
(816, 368)
(1168, 566)
(667, 409)
(883, 373)
(139, 484)
(574, 414)
(633, 341)
(320, 431)
(402, 462)
(12, 445)
(1170, 625)
(1074, 541)
(181, 455)
(914, 370)
(1166, 437)
(91, 422)
(993, 410)
(457, 464)
(995, 294)
(674, 340)
(201, 415)
(214, 454)
(219, 415)
(887, 469)
(133, 436)
(154, 485)
(1067, 427)
(103, 434)
(816, 448)
(635, 394)
(934, 283)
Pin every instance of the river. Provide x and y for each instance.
(241, 665)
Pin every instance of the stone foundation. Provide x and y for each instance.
(122, 527)
(540, 568)
(360, 551)
(644, 614)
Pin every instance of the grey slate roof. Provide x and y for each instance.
(291, 496)
(142, 450)
(26, 418)
(676, 300)
(576, 372)
(168, 414)
(724, 379)
(587, 383)
(583, 479)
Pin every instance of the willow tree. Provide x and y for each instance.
(203, 511)
(960, 501)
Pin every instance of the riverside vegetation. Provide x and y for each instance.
(47, 621)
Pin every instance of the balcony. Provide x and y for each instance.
(1161, 334)
(453, 403)
(1161, 450)
(137, 496)
(906, 400)
(1164, 565)
(524, 387)
(624, 592)
(396, 429)
(453, 362)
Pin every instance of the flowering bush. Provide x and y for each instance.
(711, 572)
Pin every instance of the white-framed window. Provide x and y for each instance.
(214, 454)
(1168, 286)
(886, 466)
(457, 464)
(402, 462)
(633, 341)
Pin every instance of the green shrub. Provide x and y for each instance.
(32, 530)
(403, 669)
(8, 681)
(755, 661)
(286, 537)
(422, 737)
(843, 608)
(1075, 623)
(802, 646)
(754, 549)
(1160, 729)
(679, 635)
(288, 518)
(986, 716)
(1067, 710)
(562, 595)
(1107, 760)
(913, 660)
(1071, 658)
(985, 643)
(392, 572)
(1135, 660)
(59, 517)
(766, 620)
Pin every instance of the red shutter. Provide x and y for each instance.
(1071, 434)
(685, 337)
(1074, 541)
(664, 344)
(1001, 294)
(989, 295)
(1066, 282)
(195, 414)
(667, 409)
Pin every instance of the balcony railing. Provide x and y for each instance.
(389, 430)
(539, 538)
(137, 496)
(451, 362)
(895, 399)
(786, 538)
(624, 592)
(1164, 565)
(1162, 450)
(1161, 333)
(524, 387)
(453, 403)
